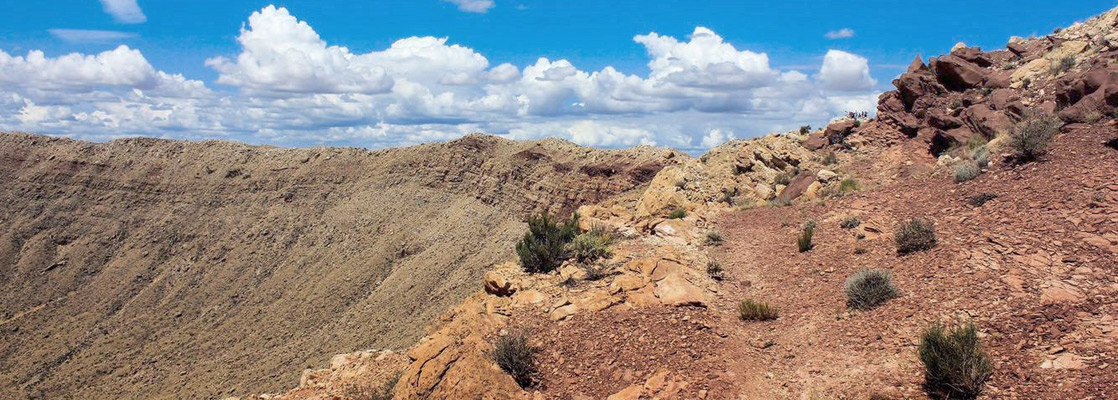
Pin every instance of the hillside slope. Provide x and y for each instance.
(146, 268)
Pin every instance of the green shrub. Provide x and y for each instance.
(543, 248)
(714, 238)
(1029, 138)
(715, 271)
(806, 129)
(516, 357)
(966, 171)
(597, 271)
(955, 367)
(591, 246)
(848, 185)
(803, 242)
(677, 213)
(366, 392)
(749, 310)
(979, 199)
(850, 223)
(869, 288)
(783, 178)
(915, 235)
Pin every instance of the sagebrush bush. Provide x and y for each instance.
(544, 247)
(713, 238)
(869, 288)
(749, 310)
(782, 178)
(517, 357)
(915, 235)
(591, 246)
(1029, 138)
(715, 271)
(367, 392)
(677, 213)
(830, 158)
(848, 185)
(803, 242)
(850, 223)
(955, 367)
(966, 171)
(1062, 65)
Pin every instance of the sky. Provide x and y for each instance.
(683, 74)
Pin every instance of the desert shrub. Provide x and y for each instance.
(850, 223)
(848, 185)
(367, 392)
(1062, 65)
(830, 158)
(783, 178)
(677, 213)
(517, 357)
(779, 202)
(1113, 143)
(597, 271)
(966, 171)
(715, 271)
(915, 235)
(714, 238)
(728, 198)
(543, 248)
(955, 367)
(860, 250)
(803, 242)
(591, 246)
(869, 288)
(1029, 138)
(979, 199)
(806, 129)
(749, 310)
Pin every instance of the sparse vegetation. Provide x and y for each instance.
(749, 310)
(966, 171)
(728, 198)
(544, 247)
(517, 357)
(1062, 65)
(850, 222)
(848, 185)
(681, 184)
(367, 392)
(979, 199)
(715, 271)
(806, 129)
(591, 246)
(1029, 138)
(677, 213)
(803, 242)
(1113, 143)
(779, 202)
(830, 158)
(597, 271)
(869, 288)
(915, 235)
(782, 178)
(860, 250)
(714, 238)
(955, 367)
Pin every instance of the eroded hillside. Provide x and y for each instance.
(146, 268)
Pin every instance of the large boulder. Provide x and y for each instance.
(958, 74)
(839, 130)
(985, 120)
(797, 186)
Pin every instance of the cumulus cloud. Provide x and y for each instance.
(843, 33)
(89, 35)
(124, 11)
(291, 87)
(845, 71)
(474, 6)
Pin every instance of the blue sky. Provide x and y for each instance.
(177, 37)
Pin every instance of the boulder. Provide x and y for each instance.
(796, 187)
(1029, 71)
(958, 74)
(815, 141)
(973, 55)
(677, 291)
(825, 175)
(985, 120)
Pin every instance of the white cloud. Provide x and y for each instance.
(89, 35)
(843, 33)
(845, 71)
(124, 11)
(474, 6)
(291, 87)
